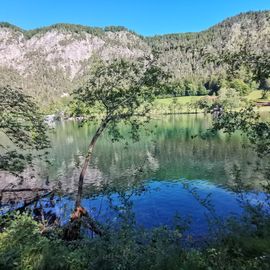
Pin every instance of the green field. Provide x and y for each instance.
(175, 105)
(256, 96)
(185, 104)
(181, 100)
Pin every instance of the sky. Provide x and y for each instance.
(146, 17)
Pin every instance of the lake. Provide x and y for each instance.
(170, 152)
(166, 174)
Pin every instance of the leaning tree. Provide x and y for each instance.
(120, 91)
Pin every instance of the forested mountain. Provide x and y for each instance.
(51, 61)
(184, 53)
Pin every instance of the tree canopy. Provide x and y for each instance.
(117, 91)
(23, 127)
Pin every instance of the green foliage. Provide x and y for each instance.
(256, 64)
(117, 29)
(23, 126)
(119, 91)
(16, 250)
(229, 98)
(241, 87)
(247, 121)
(187, 87)
(65, 27)
(265, 85)
(185, 54)
(10, 26)
(22, 246)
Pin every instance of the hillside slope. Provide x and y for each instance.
(184, 53)
(51, 61)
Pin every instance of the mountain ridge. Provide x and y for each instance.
(5, 24)
(53, 60)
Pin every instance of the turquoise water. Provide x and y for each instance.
(171, 152)
(173, 161)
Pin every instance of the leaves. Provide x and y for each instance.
(24, 127)
(248, 122)
(119, 91)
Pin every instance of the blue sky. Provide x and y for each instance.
(146, 17)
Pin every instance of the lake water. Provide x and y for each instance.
(156, 174)
(173, 151)
(163, 175)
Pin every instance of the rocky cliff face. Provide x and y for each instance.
(64, 50)
(54, 60)
(50, 61)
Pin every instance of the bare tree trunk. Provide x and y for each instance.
(87, 160)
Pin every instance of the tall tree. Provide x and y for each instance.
(118, 91)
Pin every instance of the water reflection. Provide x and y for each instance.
(169, 153)
(158, 203)
(162, 162)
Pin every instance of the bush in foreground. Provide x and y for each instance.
(22, 246)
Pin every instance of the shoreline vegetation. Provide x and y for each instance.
(178, 105)
(241, 243)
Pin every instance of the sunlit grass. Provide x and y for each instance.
(256, 95)
(181, 100)
(172, 105)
